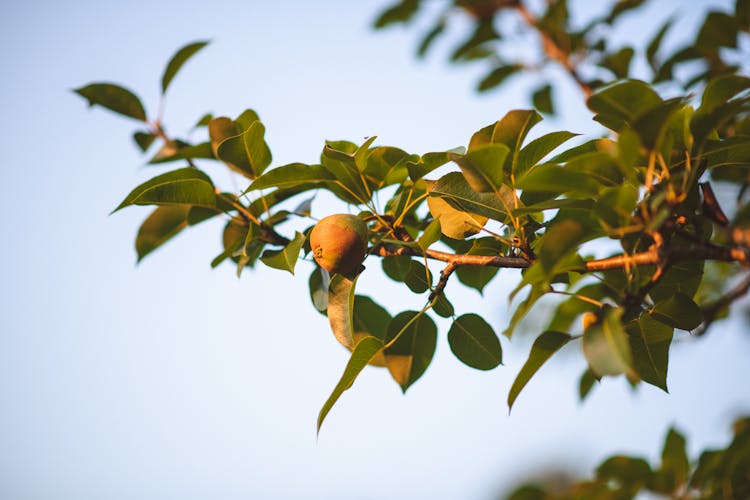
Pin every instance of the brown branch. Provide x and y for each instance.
(710, 311)
(553, 50)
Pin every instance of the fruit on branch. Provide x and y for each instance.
(339, 243)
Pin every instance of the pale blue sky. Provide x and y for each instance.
(171, 380)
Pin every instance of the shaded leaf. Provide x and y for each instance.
(115, 98)
(585, 384)
(178, 60)
(497, 76)
(363, 353)
(410, 355)
(144, 140)
(318, 284)
(540, 147)
(605, 345)
(159, 227)
(649, 342)
(399, 12)
(543, 348)
(675, 466)
(474, 342)
(542, 99)
(202, 150)
(678, 311)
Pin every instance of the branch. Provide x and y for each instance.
(553, 50)
(713, 309)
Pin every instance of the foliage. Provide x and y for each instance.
(505, 201)
(717, 474)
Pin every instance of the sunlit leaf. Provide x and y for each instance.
(178, 60)
(410, 355)
(183, 186)
(286, 258)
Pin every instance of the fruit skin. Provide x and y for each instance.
(339, 243)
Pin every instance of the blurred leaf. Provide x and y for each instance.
(178, 60)
(115, 98)
(742, 14)
(454, 189)
(183, 186)
(542, 99)
(163, 223)
(718, 30)
(430, 37)
(649, 342)
(585, 384)
(286, 258)
(340, 309)
(363, 353)
(547, 344)
(619, 62)
(202, 150)
(678, 311)
(605, 345)
(474, 342)
(497, 76)
(400, 12)
(653, 46)
(621, 7)
(559, 240)
(144, 140)
(631, 474)
(220, 129)
(483, 33)
(675, 466)
(204, 120)
(409, 356)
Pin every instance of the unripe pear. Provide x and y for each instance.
(339, 243)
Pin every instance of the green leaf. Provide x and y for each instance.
(417, 279)
(344, 169)
(144, 140)
(655, 43)
(547, 344)
(478, 277)
(292, 175)
(429, 162)
(184, 186)
(443, 307)
(286, 258)
(550, 178)
(247, 152)
(410, 355)
(537, 149)
(605, 345)
(385, 165)
(631, 474)
(497, 76)
(363, 353)
(399, 12)
(163, 223)
(115, 98)
(622, 102)
(454, 189)
(619, 62)
(484, 32)
(178, 60)
(675, 466)
(370, 318)
(483, 167)
(220, 129)
(202, 150)
(340, 309)
(542, 99)
(649, 343)
(718, 30)
(678, 311)
(430, 37)
(430, 235)
(397, 267)
(558, 241)
(475, 343)
(585, 384)
(455, 223)
(318, 283)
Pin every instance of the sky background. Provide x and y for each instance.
(172, 380)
